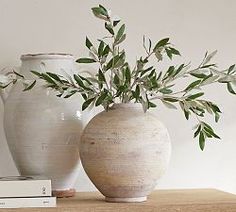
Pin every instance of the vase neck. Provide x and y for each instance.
(46, 56)
(128, 105)
(56, 63)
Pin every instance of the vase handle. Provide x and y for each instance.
(7, 71)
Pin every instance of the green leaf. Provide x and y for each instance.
(199, 75)
(174, 51)
(123, 37)
(112, 62)
(166, 91)
(145, 104)
(217, 117)
(88, 43)
(5, 86)
(211, 132)
(116, 22)
(207, 126)
(85, 79)
(101, 76)
(87, 103)
(197, 131)
(101, 98)
(152, 74)
(195, 96)
(97, 11)
(54, 76)
(127, 75)
(170, 99)
(225, 79)
(109, 28)
(231, 68)
(85, 60)
(30, 86)
(116, 80)
(193, 85)
(120, 33)
(106, 50)
(120, 61)
(100, 12)
(120, 90)
(230, 88)
(209, 57)
(169, 72)
(215, 108)
(104, 10)
(158, 55)
(202, 141)
(36, 73)
(208, 135)
(154, 83)
(48, 78)
(151, 105)
(207, 77)
(84, 96)
(18, 74)
(70, 94)
(80, 83)
(146, 70)
(136, 93)
(59, 95)
(208, 66)
(150, 45)
(169, 53)
(186, 114)
(161, 43)
(100, 48)
(178, 69)
(159, 76)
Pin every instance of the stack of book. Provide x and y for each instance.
(26, 191)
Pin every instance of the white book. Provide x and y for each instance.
(31, 202)
(25, 186)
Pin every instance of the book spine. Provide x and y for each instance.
(28, 202)
(37, 188)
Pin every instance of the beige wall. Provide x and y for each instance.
(30, 26)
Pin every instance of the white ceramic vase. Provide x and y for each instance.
(124, 152)
(43, 130)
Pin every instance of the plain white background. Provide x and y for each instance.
(32, 26)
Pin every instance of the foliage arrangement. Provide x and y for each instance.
(116, 81)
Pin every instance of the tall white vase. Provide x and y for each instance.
(43, 130)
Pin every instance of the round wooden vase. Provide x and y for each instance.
(124, 152)
(43, 130)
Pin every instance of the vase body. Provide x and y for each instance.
(43, 130)
(124, 152)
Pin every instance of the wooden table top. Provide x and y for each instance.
(190, 200)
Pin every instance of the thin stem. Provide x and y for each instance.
(111, 75)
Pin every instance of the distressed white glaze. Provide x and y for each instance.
(124, 152)
(43, 130)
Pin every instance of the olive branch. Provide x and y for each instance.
(117, 82)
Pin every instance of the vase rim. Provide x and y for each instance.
(127, 105)
(46, 56)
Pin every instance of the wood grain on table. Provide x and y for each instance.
(190, 200)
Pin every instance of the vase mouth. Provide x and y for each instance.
(46, 56)
(128, 105)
